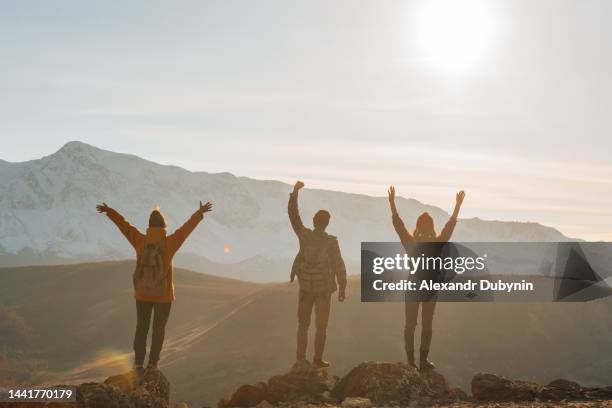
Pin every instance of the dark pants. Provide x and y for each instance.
(412, 312)
(143, 316)
(322, 305)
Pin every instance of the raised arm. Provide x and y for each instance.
(134, 237)
(448, 229)
(398, 224)
(179, 236)
(294, 212)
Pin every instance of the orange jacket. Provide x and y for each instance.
(154, 235)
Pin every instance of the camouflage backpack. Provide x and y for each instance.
(312, 263)
(151, 274)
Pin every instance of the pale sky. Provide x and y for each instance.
(509, 100)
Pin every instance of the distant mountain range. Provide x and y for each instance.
(47, 214)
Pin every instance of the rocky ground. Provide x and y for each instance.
(465, 404)
(371, 384)
(152, 390)
(381, 384)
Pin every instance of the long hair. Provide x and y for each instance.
(424, 231)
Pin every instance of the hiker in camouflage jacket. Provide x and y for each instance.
(320, 271)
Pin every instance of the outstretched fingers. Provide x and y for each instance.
(206, 207)
(102, 208)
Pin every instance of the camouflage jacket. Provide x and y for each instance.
(318, 265)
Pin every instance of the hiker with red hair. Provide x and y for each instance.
(424, 232)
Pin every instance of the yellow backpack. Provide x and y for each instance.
(151, 275)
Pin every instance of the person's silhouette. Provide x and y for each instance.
(153, 282)
(424, 232)
(320, 271)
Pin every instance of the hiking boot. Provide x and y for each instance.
(152, 367)
(424, 364)
(320, 363)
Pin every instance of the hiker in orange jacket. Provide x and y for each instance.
(148, 302)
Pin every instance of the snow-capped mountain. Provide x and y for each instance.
(47, 211)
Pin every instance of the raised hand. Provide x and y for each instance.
(204, 208)
(102, 208)
(459, 201)
(391, 194)
(298, 186)
(460, 197)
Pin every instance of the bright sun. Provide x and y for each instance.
(453, 35)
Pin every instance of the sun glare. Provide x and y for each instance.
(453, 35)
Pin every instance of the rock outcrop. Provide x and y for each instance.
(384, 384)
(490, 387)
(494, 388)
(152, 390)
(393, 383)
(370, 383)
(302, 383)
(562, 390)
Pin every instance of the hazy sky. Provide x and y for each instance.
(510, 100)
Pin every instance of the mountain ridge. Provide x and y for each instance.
(47, 212)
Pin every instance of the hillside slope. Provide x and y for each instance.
(537, 341)
(78, 320)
